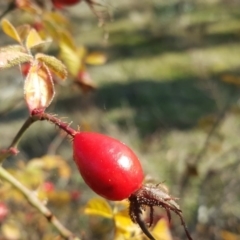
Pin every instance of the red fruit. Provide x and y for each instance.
(25, 68)
(64, 3)
(75, 195)
(48, 187)
(109, 167)
(38, 26)
(112, 170)
(3, 211)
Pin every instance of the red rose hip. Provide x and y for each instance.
(62, 3)
(109, 167)
(112, 170)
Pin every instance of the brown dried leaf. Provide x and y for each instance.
(13, 55)
(38, 88)
(10, 30)
(55, 65)
(85, 82)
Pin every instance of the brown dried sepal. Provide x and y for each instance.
(38, 88)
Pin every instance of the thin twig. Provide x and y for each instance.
(11, 6)
(199, 156)
(54, 145)
(12, 149)
(34, 201)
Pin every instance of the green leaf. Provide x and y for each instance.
(55, 65)
(100, 207)
(10, 30)
(13, 55)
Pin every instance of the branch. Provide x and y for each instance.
(34, 201)
(36, 116)
(12, 149)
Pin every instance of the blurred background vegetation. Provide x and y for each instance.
(169, 90)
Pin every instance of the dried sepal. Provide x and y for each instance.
(10, 30)
(13, 55)
(38, 88)
(151, 195)
(55, 65)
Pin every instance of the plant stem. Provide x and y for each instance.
(34, 201)
(36, 116)
(12, 149)
(56, 121)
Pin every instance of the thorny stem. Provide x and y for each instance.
(41, 116)
(37, 115)
(34, 201)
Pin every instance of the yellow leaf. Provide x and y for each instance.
(66, 38)
(64, 171)
(96, 58)
(226, 235)
(52, 161)
(36, 163)
(124, 225)
(56, 18)
(231, 79)
(161, 230)
(55, 65)
(98, 206)
(59, 198)
(11, 230)
(70, 58)
(32, 178)
(10, 30)
(34, 39)
(81, 52)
